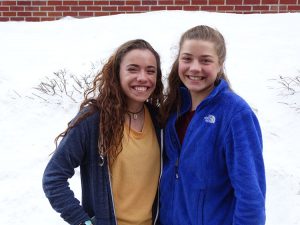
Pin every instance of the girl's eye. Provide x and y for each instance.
(132, 69)
(206, 61)
(151, 71)
(186, 59)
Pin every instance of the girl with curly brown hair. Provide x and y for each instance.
(115, 139)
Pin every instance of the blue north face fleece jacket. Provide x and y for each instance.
(216, 177)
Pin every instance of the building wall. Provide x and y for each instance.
(43, 10)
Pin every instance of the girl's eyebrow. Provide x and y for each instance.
(206, 56)
(186, 53)
(135, 65)
(152, 67)
(203, 56)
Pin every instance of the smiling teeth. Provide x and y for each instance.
(140, 88)
(195, 78)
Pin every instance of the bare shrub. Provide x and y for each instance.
(63, 86)
(288, 89)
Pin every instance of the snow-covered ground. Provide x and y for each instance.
(261, 48)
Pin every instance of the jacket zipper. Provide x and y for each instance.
(176, 168)
(111, 193)
(161, 168)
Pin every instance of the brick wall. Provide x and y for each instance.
(43, 10)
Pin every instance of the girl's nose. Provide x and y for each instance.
(141, 76)
(195, 66)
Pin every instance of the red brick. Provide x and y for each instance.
(242, 8)
(191, 8)
(101, 2)
(133, 3)
(24, 3)
(141, 8)
(47, 18)
(39, 14)
(85, 3)
(251, 2)
(9, 3)
(70, 2)
(288, 2)
(47, 8)
(54, 3)
(39, 3)
(115, 13)
(23, 13)
(116, 2)
(208, 8)
(174, 7)
(32, 19)
(4, 8)
(269, 2)
(109, 8)
(101, 13)
(182, 2)
(9, 14)
(62, 8)
(199, 2)
(87, 14)
(17, 18)
(268, 12)
(216, 2)
(149, 2)
(16, 8)
(234, 2)
(157, 8)
(260, 7)
(4, 19)
(73, 14)
(93, 8)
(30, 8)
(77, 8)
(125, 8)
(225, 8)
(165, 2)
(54, 14)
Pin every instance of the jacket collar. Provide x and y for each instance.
(187, 101)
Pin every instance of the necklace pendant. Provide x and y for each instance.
(135, 116)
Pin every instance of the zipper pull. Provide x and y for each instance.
(176, 168)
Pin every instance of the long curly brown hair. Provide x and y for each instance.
(173, 100)
(106, 97)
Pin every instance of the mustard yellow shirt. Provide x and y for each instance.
(135, 175)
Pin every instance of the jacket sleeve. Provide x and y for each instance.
(67, 157)
(245, 165)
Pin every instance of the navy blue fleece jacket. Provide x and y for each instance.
(79, 148)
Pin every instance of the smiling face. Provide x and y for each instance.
(198, 67)
(138, 74)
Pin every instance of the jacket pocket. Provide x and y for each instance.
(200, 216)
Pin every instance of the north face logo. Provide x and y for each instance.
(210, 119)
